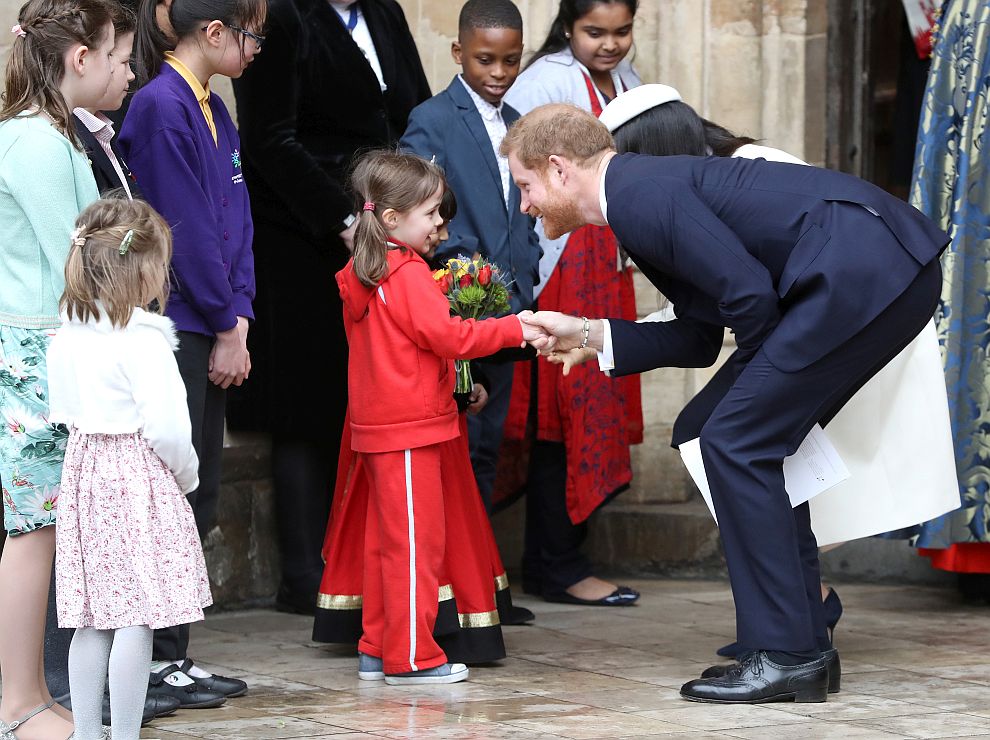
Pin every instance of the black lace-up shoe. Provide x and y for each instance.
(831, 661)
(756, 679)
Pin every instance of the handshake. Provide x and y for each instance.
(560, 337)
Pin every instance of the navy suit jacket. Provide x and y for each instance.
(449, 127)
(784, 255)
(106, 176)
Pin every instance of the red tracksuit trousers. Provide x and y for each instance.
(403, 555)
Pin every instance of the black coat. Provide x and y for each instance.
(310, 101)
(306, 105)
(106, 176)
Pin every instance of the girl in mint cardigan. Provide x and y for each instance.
(45, 181)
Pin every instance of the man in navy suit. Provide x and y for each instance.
(461, 128)
(822, 277)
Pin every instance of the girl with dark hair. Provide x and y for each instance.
(60, 59)
(182, 146)
(582, 62)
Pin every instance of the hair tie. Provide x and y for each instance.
(125, 243)
(18, 31)
(369, 205)
(78, 240)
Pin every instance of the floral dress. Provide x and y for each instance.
(31, 448)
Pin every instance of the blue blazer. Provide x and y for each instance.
(449, 127)
(787, 256)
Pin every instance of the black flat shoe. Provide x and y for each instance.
(154, 706)
(190, 696)
(831, 661)
(622, 596)
(229, 687)
(758, 680)
(518, 615)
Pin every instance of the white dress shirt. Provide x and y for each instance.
(491, 115)
(361, 36)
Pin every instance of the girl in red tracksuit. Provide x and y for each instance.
(402, 342)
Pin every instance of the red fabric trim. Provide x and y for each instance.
(961, 557)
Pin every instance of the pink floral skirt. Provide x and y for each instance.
(127, 550)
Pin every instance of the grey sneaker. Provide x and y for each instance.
(370, 668)
(446, 673)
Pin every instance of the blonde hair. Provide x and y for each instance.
(119, 256)
(558, 128)
(36, 66)
(386, 179)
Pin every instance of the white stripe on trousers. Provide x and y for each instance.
(410, 514)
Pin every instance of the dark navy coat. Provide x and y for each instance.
(773, 251)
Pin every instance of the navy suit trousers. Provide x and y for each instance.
(770, 549)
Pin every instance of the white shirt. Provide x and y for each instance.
(361, 36)
(118, 381)
(491, 115)
(102, 129)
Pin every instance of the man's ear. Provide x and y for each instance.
(455, 52)
(560, 166)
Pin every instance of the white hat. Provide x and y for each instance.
(626, 106)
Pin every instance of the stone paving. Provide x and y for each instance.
(916, 664)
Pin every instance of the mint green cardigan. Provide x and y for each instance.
(44, 183)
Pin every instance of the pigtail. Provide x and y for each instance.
(150, 43)
(370, 250)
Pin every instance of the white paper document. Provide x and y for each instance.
(813, 469)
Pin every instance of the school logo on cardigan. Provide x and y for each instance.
(235, 159)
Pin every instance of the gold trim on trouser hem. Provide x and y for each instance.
(446, 593)
(501, 582)
(338, 601)
(479, 619)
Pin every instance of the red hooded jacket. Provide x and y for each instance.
(402, 342)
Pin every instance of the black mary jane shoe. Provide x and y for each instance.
(831, 661)
(622, 596)
(229, 687)
(757, 680)
(154, 706)
(190, 696)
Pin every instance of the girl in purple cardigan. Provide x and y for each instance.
(184, 151)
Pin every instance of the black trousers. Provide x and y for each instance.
(206, 403)
(770, 549)
(552, 559)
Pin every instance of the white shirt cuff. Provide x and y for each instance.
(606, 360)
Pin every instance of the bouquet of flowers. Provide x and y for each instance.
(475, 289)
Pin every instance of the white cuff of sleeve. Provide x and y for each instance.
(606, 360)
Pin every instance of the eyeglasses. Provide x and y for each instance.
(258, 40)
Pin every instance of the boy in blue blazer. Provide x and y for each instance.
(462, 129)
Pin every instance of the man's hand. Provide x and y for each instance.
(347, 236)
(571, 358)
(477, 400)
(230, 362)
(563, 332)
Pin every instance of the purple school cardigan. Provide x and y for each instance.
(197, 186)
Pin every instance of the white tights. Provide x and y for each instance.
(126, 654)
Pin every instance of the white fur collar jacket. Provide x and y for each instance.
(108, 380)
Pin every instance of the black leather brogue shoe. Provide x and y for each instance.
(756, 680)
